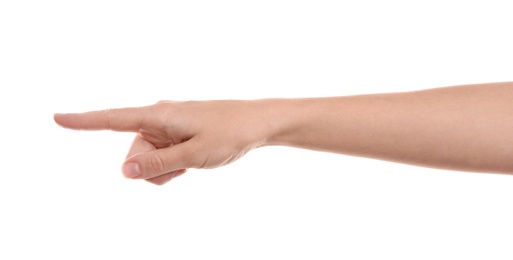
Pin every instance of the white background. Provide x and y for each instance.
(62, 195)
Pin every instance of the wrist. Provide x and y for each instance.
(281, 120)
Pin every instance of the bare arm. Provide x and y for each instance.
(467, 128)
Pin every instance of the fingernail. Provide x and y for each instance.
(131, 170)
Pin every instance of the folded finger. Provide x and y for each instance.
(147, 165)
(162, 179)
(141, 145)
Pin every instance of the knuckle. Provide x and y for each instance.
(161, 107)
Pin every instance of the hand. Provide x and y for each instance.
(174, 136)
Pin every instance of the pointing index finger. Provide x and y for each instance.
(118, 119)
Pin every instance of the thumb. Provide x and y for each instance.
(157, 162)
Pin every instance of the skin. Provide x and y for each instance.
(463, 128)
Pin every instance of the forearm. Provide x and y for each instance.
(468, 128)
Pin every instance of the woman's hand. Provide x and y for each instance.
(174, 136)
